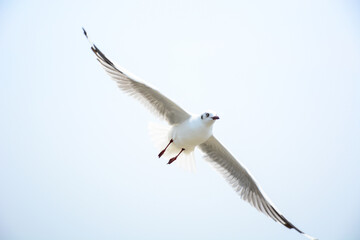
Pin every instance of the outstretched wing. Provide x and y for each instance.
(242, 181)
(151, 97)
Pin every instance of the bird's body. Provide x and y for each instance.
(189, 131)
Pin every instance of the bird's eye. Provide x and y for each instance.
(207, 115)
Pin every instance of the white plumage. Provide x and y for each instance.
(188, 131)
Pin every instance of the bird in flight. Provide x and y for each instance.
(189, 131)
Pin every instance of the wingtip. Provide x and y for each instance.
(93, 47)
(85, 33)
(304, 234)
(310, 237)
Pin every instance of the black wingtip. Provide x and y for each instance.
(85, 33)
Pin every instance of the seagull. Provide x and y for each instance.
(189, 131)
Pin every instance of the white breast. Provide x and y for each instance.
(191, 133)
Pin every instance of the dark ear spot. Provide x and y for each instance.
(202, 116)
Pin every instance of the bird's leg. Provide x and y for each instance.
(174, 158)
(163, 151)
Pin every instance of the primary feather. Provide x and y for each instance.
(242, 181)
(149, 96)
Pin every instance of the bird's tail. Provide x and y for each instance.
(160, 136)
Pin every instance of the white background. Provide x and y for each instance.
(76, 161)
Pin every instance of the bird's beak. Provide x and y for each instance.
(215, 118)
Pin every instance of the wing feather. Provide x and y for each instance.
(242, 181)
(152, 98)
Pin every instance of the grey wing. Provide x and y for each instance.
(241, 180)
(149, 96)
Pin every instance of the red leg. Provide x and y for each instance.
(163, 151)
(174, 158)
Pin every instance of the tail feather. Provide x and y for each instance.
(160, 136)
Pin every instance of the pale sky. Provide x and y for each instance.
(76, 161)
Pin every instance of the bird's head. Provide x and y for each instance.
(209, 117)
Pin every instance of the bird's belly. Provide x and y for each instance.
(189, 138)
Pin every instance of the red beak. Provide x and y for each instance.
(215, 118)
